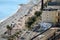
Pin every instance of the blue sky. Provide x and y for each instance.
(8, 7)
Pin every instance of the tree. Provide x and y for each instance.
(17, 34)
(9, 28)
(14, 36)
(11, 37)
(38, 13)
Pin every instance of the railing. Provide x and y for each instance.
(54, 37)
(54, 3)
(40, 34)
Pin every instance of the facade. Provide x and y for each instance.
(51, 12)
(58, 17)
(55, 0)
(50, 16)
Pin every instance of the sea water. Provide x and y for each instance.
(8, 7)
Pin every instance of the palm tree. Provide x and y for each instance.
(41, 4)
(38, 13)
(9, 28)
(30, 21)
(17, 35)
(12, 37)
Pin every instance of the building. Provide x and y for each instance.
(51, 12)
(49, 15)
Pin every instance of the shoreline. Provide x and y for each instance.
(13, 13)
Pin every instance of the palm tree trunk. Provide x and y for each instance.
(9, 32)
(42, 4)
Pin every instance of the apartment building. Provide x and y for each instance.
(49, 15)
(51, 12)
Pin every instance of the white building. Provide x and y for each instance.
(49, 16)
(51, 12)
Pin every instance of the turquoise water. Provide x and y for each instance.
(8, 7)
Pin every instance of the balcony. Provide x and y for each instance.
(54, 3)
(58, 17)
(49, 9)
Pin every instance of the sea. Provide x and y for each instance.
(9, 7)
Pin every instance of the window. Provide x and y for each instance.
(18, 20)
(47, 15)
(58, 16)
(58, 20)
(58, 13)
(25, 15)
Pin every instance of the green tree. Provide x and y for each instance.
(30, 21)
(17, 35)
(38, 13)
(11, 37)
(9, 28)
